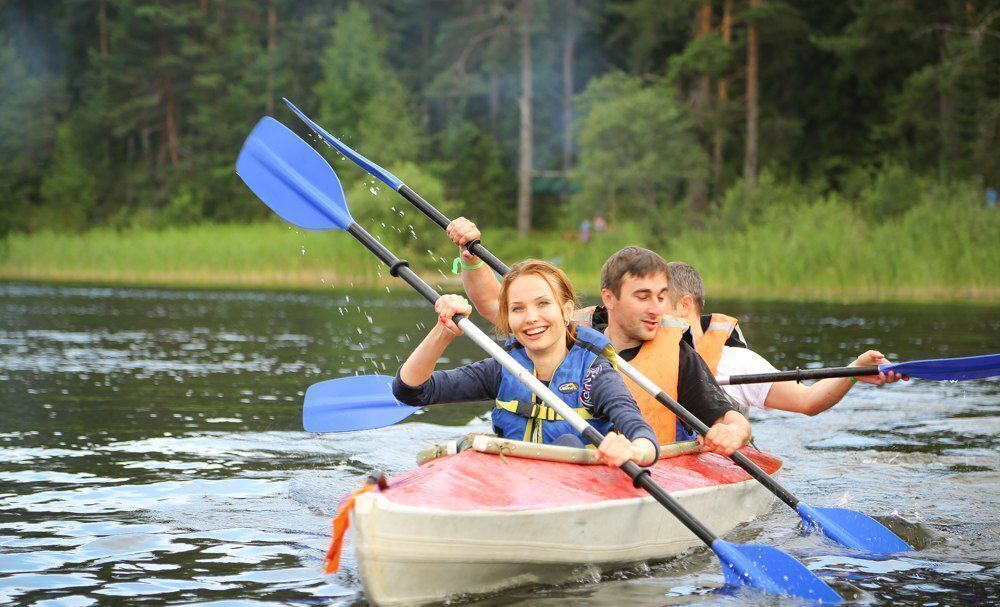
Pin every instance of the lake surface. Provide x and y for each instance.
(151, 450)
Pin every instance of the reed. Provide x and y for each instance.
(826, 249)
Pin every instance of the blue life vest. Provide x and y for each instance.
(520, 415)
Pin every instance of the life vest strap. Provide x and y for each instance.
(536, 411)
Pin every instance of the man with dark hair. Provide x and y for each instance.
(718, 340)
(634, 294)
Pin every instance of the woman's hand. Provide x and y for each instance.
(875, 358)
(615, 450)
(461, 231)
(448, 306)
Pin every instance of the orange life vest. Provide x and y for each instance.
(658, 359)
(709, 345)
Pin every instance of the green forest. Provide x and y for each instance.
(785, 147)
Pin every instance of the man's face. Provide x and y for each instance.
(636, 312)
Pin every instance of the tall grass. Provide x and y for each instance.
(826, 249)
(258, 255)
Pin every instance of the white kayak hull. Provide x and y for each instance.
(412, 555)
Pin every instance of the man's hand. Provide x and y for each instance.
(727, 435)
(448, 306)
(874, 358)
(461, 231)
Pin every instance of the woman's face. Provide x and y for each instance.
(537, 320)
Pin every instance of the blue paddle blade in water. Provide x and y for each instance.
(363, 402)
(969, 367)
(771, 570)
(375, 170)
(292, 178)
(853, 529)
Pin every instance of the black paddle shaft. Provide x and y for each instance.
(801, 374)
(475, 247)
(640, 476)
(397, 267)
(741, 460)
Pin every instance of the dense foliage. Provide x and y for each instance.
(131, 112)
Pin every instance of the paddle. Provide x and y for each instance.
(290, 177)
(850, 528)
(353, 403)
(396, 184)
(969, 367)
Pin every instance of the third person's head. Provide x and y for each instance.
(686, 293)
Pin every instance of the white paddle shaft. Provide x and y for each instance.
(523, 375)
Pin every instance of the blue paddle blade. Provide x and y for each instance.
(771, 570)
(375, 170)
(853, 529)
(353, 403)
(969, 367)
(289, 176)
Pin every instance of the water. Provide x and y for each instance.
(151, 451)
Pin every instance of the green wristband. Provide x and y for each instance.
(458, 260)
(854, 380)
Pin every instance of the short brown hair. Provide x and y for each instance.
(685, 280)
(557, 279)
(637, 261)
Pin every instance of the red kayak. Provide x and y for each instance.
(476, 522)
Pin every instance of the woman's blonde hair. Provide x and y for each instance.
(558, 282)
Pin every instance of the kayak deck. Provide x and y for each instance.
(477, 481)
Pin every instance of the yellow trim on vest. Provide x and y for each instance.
(612, 356)
(538, 411)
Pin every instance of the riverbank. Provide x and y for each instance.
(820, 252)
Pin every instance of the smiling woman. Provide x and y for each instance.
(535, 305)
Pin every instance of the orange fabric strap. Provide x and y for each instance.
(340, 524)
(709, 346)
(658, 359)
